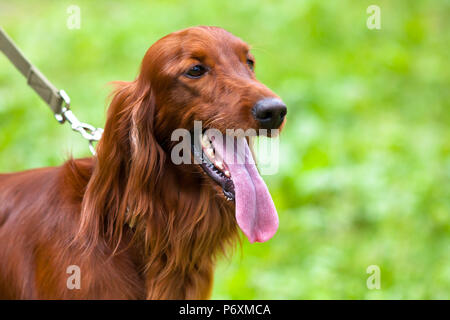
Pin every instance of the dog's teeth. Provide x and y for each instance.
(227, 173)
(210, 153)
(205, 141)
(219, 164)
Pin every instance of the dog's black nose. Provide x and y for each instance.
(269, 112)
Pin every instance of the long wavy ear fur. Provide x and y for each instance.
(128, 158)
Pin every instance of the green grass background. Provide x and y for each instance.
(365, 155)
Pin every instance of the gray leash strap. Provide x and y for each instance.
(35, 79)
(58, 100)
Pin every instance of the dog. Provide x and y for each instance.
(129, 223)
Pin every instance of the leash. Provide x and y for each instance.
(57, 100)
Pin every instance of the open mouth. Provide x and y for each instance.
(229, 162)
(213, 165)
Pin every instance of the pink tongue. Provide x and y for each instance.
(255, 212)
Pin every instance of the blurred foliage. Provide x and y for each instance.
(364, 177)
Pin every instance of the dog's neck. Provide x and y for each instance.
(187, 226)
(181, 224)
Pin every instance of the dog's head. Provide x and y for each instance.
(202, 74)
(207, 74)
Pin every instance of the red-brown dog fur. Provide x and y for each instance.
(80, 213)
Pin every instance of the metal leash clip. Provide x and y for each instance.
(86, 130)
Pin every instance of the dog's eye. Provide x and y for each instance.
(251, 64)
(196, 71)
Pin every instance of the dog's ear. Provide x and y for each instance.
(146, 161)
(128, 162)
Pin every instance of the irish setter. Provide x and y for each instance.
(135, 224)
